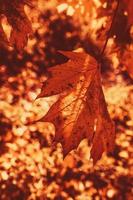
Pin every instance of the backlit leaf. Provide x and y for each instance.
(81, 111)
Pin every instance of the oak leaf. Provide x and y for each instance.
(81, 111)
(13, 10)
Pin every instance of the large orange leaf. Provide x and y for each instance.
(81, 111)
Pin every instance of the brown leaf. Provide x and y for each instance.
(21, 26)
(80, 108)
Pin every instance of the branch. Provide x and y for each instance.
(111, 26)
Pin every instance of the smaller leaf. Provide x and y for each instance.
(16, 17)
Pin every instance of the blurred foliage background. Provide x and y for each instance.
(29, 169)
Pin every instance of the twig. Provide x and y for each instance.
(111, 26)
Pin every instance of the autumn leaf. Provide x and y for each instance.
(16, 17)
(81, 111)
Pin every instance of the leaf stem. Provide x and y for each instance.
(111, 26)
